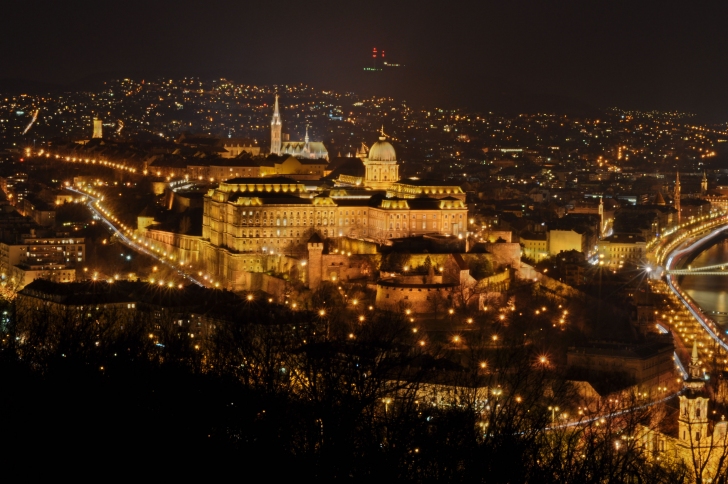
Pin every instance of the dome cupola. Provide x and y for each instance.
(382, 150)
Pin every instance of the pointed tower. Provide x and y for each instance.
(704, 184)
(306, 145)
(694, 370)
(677, 196)
(693, 419)
(601, 217)
(275, 130)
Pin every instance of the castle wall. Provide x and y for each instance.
(418, 298)
(337, 267)
(180, 247)
(355, 246)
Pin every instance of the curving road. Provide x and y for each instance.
(126, 240)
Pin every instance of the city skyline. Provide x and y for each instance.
(420, 242)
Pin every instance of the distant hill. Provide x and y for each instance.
(493, 93)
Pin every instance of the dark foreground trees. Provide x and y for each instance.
(291, 394)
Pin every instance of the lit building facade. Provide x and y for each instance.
(248, 223)
(619, 250)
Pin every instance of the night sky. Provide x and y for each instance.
(491, 55)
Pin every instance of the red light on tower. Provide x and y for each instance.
(374, 53)
(382, 53)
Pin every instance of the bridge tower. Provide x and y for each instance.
(677, 196)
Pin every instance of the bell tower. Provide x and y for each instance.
(693, 419)
(275, 130)
(704, 184)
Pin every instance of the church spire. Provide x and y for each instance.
(276, 112)
(704, 183)
(275, 130)
(306, 146)
(694, 366)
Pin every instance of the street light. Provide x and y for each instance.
(553, 414)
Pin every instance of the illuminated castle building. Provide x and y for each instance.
(248, 223)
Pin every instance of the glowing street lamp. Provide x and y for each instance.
(553, 414)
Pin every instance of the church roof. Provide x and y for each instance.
(296, 147)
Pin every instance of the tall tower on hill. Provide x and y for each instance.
(275, 130)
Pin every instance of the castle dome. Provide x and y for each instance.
(382, 150)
